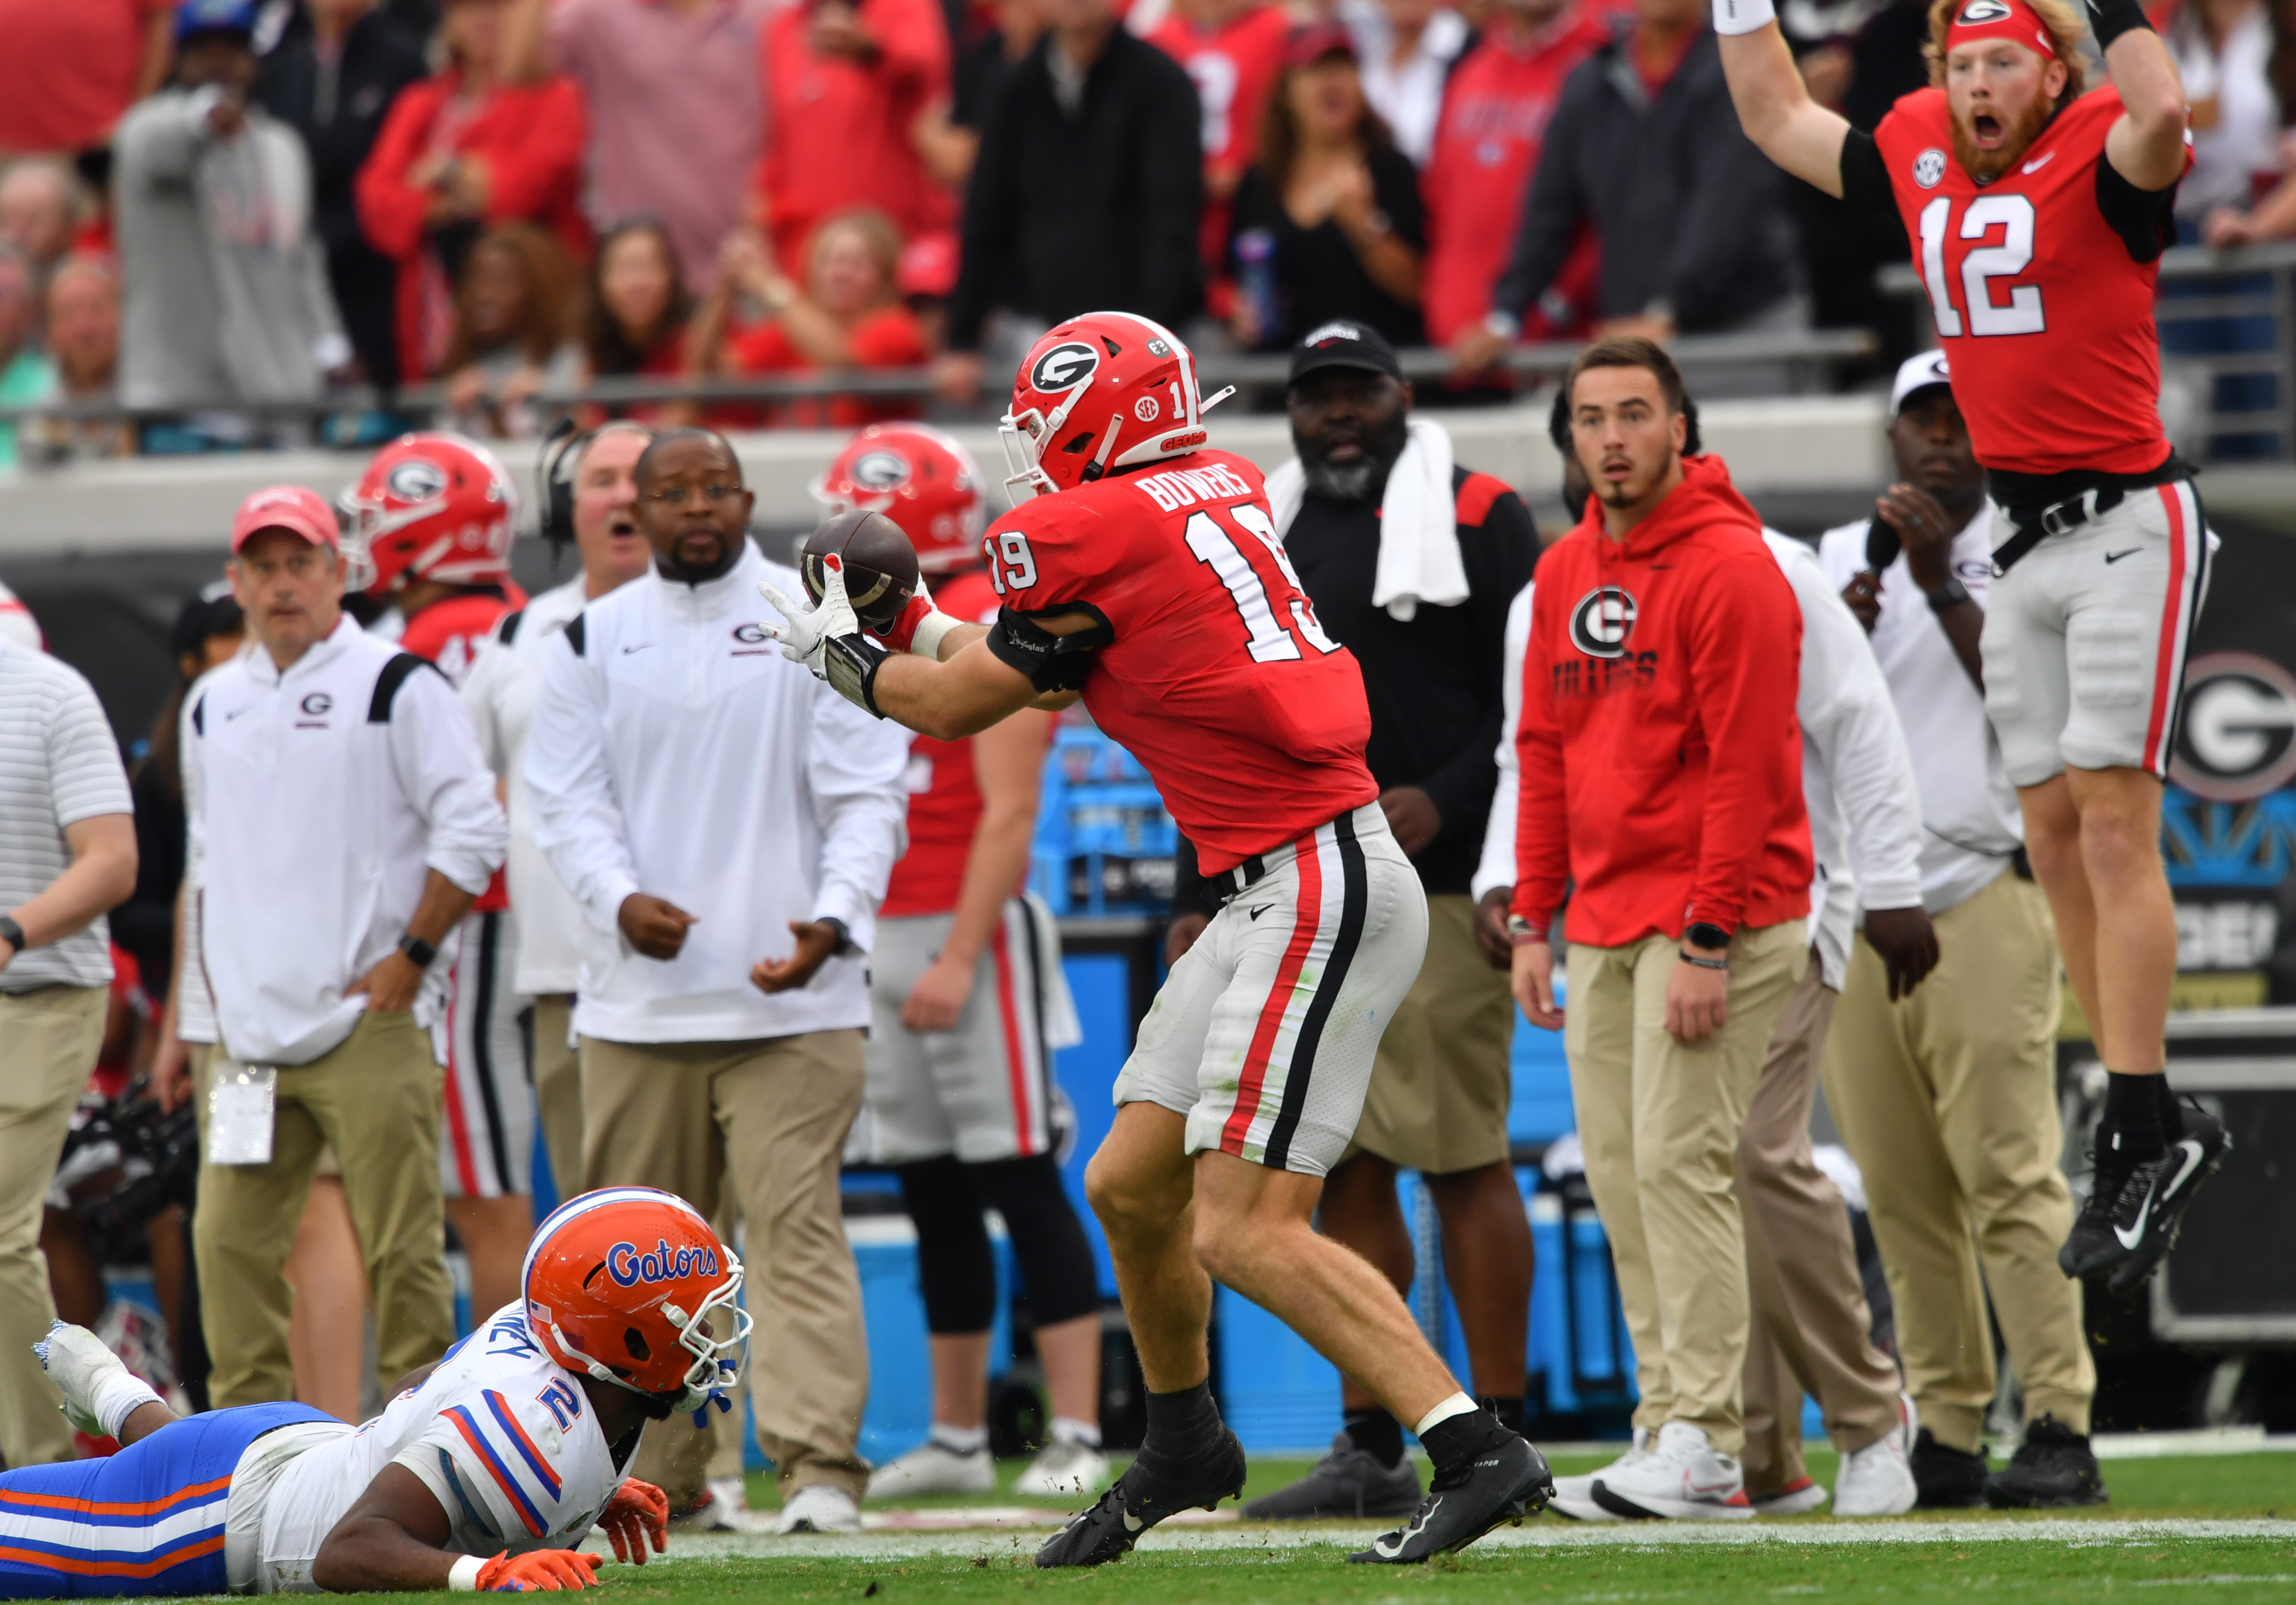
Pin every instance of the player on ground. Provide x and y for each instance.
(2039, 213)
(512, 1446)
(430, 527)
(964, 994)
(1144, 572)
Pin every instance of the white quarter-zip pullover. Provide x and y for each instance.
(320, 800)
(677, 752)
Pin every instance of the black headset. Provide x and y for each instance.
(561, 459)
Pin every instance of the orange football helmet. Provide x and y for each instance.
(620, 1284)
(1105, 390)
(923, 480)
(429, 506)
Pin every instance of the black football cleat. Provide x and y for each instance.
(2133, 1210)
(1947, 1478)
(1498, 1487)
(2054, 1468)
(1346, 1484)
(1151, 1488)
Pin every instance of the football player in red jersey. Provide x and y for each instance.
(2038, 214)
(1143, 571)
(962, 980)
(430, 527)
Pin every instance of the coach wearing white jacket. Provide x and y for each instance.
(1810, 1321)
(341, 821)
(727, 823)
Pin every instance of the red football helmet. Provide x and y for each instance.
(1101, 391)
(620, 1284)
(919, 477)
(429, 506)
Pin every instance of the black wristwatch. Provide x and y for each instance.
(13, 934)
(844, 936)
(1705, 934)
(419, 953)
(1950, 595)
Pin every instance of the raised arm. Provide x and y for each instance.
(2146, 146)
(1773, 105)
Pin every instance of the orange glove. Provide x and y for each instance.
(543, 1570)
(637, 1513)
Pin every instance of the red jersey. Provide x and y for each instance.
(1215, 675)
(1487, 142)
(1660, 753)
(838, 130)
(944, 791)
(888, 338)
(1233, 66)
(2044, 318)
(448, 633)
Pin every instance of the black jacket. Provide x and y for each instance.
(1066, 215)
(1687, 211)
(378, 61)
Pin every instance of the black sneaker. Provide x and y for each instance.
(2133, 1210)
(1151, 1488)
(1503, 1484)
(1946, 1479)
(1347, 1482)
(2055, 1467)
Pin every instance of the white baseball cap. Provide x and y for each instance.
(1917, 374)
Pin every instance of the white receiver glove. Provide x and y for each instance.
(827, 638)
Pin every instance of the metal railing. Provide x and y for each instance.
(1806, 359)
(2227, 321)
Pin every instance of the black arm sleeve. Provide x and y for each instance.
(1865, 180)
(1052, 662)
(2144, 219)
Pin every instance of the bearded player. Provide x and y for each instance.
(2039, 213)
(481, 1475)
(1144, 572)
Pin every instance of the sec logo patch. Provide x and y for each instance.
(1929, 167)
(1602, 621)
(1146, 409)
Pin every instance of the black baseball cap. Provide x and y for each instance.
(1343, 344)
(212, 612)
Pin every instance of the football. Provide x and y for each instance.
(880, 566)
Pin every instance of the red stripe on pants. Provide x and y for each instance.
(1016, 1066)
(1308, 919)
(2164, 692)
(458, 1127)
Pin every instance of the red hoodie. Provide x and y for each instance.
(1661, 754)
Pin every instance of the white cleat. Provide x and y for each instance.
(1683, 1478)
(1061, 1468)
(932, 1467)
(1799, 1500)
(1878, 1480)
(819, 1508)
(1574, 1496)
(83, 1371)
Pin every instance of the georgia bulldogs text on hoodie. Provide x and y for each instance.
(1661, 757)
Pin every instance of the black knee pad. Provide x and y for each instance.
(1048, 1239)
(956, 1268)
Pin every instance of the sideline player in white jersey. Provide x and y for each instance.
(480, 1476)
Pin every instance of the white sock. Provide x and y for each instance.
(122, 1396)
(1458, 1404)
(961, 1440)
(1068, 1429)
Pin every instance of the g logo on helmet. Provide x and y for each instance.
(1928, 167)
(1064, 368)
(628, 1267)
(1978, 12)
(416, 479)
(1602, 621)
(880, 470)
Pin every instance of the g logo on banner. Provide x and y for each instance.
(1602, 621)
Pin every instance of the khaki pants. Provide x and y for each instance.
(49, 1039)
(375, 1100)
(1440, 1086)
(770, 1116)
(1660, 1122)
(558, 1091)
(1948, 1100)
(1810, 1328)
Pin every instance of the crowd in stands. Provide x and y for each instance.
(221, 213)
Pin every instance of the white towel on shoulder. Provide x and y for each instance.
(1419, 524)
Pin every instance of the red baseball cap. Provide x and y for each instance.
(1316, 41)
(293, 508)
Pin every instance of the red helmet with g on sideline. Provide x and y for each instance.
(1102, 392)
(620, 1284)
(921, 480)
(429, 506)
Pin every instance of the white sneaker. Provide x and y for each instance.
(1063, 1468)
(1574, 1496)
(1683, 1478)
(728, 1511)
(83, 1371)
(819, 1508)
(932, 1467)
(1799, 1500)
(1878, 1480)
